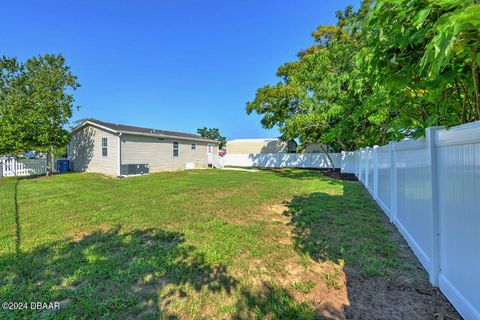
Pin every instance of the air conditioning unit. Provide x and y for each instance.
(128, 169)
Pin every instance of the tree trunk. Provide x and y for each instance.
(50, 162)
(344, 147)
(476, 86)
(328, 156)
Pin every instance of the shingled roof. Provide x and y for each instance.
(122, 128)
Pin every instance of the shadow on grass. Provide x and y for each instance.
(271, 302)
(141, 273)
(135, 274)
(132, 274)
(344, 228)
(383, 280)
(109, 274)
(347, 230)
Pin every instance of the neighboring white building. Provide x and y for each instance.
(252, 146)
(316, 148)
(116, 149)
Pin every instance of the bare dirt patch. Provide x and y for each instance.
(79, 235)
(394, 298)
(404, 294)
(336, 174)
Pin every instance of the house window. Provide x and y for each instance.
(175, 149)
(104, 147)
(194, 146)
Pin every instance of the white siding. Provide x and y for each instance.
(85, 151)
(158, 154)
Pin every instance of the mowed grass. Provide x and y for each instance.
(197, 244)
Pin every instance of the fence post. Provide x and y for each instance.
(432, 152)
(357, 162)
(366, 167)
(375, 172)
(359, 155)
(393, 182)
(362, 164)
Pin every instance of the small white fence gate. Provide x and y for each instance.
(218, 162)
(22, 167)
(430, 190)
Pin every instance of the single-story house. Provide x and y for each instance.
(117, 149)
(252, 146)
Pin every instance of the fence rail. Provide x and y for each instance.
(22, 167)
(430, 189)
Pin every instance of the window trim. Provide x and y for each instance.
(104, 147)
(175, 148)
(193, 146)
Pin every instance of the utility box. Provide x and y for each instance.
(128, 169)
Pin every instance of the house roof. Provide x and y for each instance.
(127, 129)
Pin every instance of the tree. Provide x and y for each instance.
(319, 96)
(385, 72)
(214, 134)
(422, 57)
(36, 102)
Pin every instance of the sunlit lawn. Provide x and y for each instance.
(187, 245)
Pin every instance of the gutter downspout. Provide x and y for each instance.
(119, 154)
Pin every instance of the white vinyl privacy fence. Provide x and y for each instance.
(24, 167)
(290, 160)
(430, 190)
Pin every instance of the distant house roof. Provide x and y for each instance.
(127, 129)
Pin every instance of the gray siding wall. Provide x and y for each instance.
(159, 153)
(315, 148)
(85, 151)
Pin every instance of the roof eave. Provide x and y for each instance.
(159, 135)
(88, 122)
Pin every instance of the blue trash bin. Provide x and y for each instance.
(63, 165)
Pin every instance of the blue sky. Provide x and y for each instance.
(174, 65)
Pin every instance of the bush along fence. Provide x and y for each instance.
(430, 189)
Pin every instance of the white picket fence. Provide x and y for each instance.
(430, 189)
(289, 160)
(22, 167)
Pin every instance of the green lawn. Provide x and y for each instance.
(187, 245)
